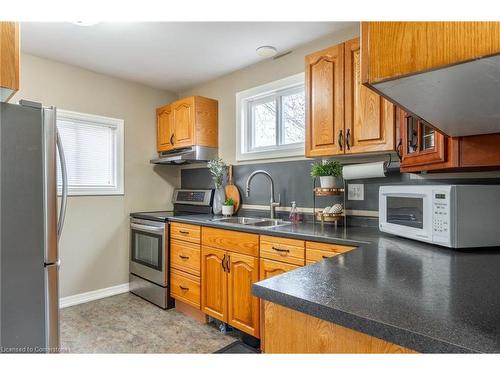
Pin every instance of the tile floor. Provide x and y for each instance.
(127, 324)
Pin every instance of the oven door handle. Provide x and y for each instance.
(148, 228)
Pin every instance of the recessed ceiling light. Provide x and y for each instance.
(85, 23)
(266, 51)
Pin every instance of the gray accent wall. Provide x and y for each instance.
(292, 180)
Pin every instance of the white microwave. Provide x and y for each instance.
(456, 216)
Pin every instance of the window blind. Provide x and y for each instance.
(91, 153)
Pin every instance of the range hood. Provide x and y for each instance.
(459, 100)
(194, 154)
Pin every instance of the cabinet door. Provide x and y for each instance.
(421, 146)
(184, 118)
(9, 59)
(164, 129)
(213, 283)
(369, 119)
(243, 307)
(325, 102)
(270, 268)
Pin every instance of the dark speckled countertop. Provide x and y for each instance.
(424, 297)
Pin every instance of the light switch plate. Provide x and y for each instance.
(356, 192)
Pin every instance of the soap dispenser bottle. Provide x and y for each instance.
(294, 214)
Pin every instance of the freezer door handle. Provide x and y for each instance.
(64, 177)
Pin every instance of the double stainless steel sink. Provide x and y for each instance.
(252, 221)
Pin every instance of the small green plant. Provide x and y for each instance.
(328, 168)
(229, 202)
(217, 168)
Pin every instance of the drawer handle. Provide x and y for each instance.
(281, 250)
(325, 257)
(183, 288)
(183, 231)
(183, 257)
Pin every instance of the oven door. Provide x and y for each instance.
(147, 250)
(406, 212)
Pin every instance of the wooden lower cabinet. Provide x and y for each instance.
(270, 268)
(243, 307)
(226, 280)
(213, 283)
(287, 331)
(185, 288)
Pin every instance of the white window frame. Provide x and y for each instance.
(118, 125)
(243, 129)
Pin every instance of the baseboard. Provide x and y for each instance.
(93, 295)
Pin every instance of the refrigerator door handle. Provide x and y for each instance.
(64, 177)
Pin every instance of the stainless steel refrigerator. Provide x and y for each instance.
(30, 225)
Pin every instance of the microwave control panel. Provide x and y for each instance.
(441, 216)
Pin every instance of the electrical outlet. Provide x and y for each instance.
(356, 192)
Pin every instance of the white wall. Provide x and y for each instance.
(224, 89)
(94, 245)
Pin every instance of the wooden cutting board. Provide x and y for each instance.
(232, 190)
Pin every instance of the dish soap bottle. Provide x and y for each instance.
(294, 214)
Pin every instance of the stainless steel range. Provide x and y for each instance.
(149, 245)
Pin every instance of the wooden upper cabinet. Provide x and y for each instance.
(324, 82)
(369, 118)
(421, 145)
(9, 59)
(243, 307)
(183, 114)
(343, 116)
(165, 130)
(396, 49)
(213, 283)
(423, 148)
(191, 121)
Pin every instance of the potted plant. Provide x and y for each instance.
(217, 168)
(327, 171)
(228, 207)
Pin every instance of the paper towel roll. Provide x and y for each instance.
(367, 170)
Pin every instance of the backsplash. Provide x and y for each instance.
(294, 183)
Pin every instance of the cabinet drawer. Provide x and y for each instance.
(313, 255)
(185, 287)
(270, 268)
(186, 232)
(329, 247)
(185, 256)
(282, 249)
(238, 242)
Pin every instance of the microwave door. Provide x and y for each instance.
(405, 211)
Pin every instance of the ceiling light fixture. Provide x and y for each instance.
(84, 23)
(266, 51)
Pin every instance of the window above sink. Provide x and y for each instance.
(271, 120)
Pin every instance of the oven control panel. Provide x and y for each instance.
(193, 197)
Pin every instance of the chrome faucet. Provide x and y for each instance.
(272, 203)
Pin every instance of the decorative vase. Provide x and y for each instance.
(219, 199)
(227, 210)
(327, 181)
